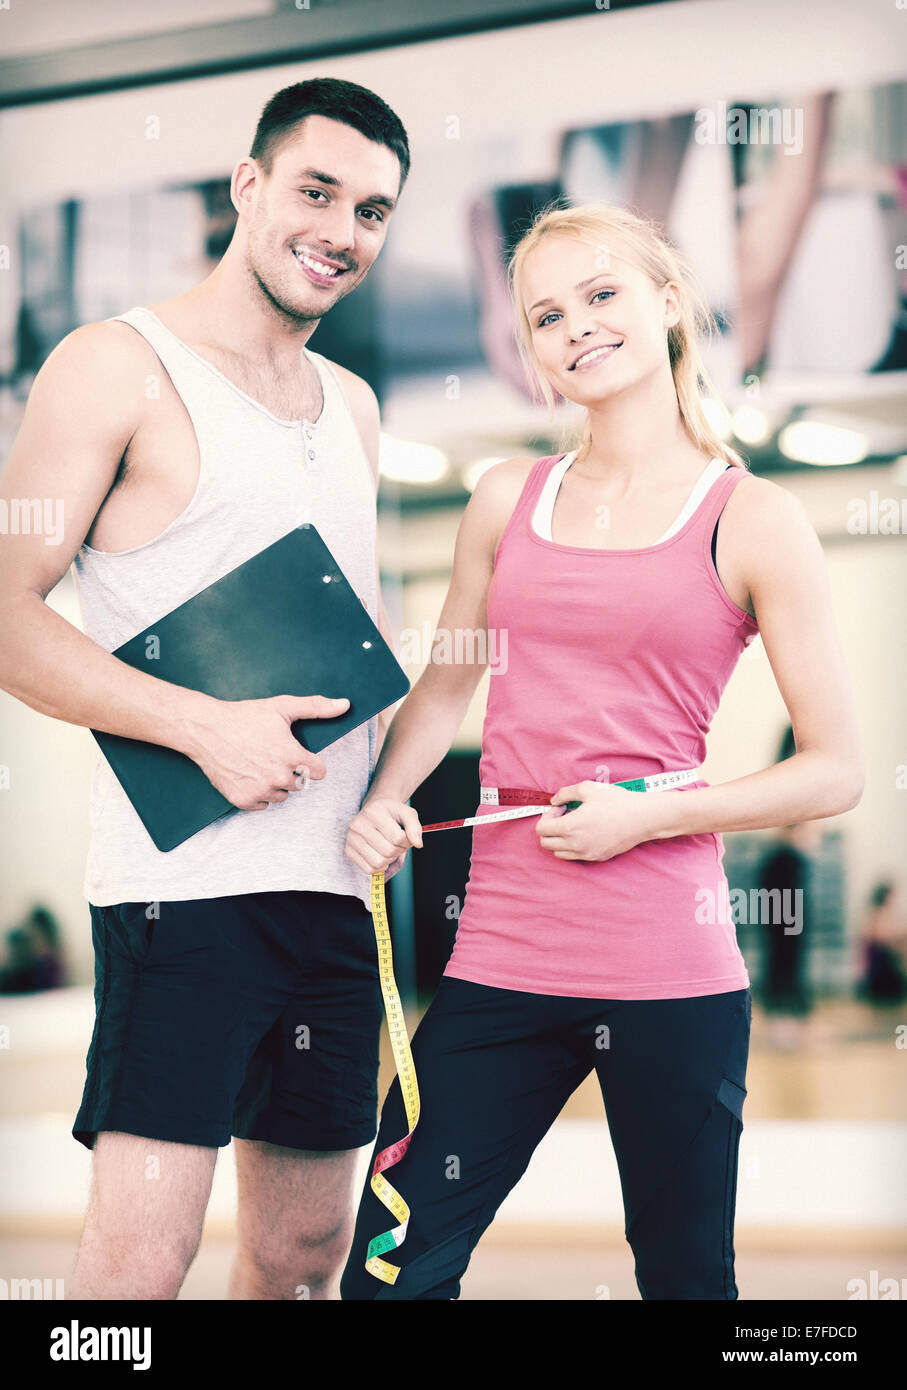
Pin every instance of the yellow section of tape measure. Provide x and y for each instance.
(406, 1072)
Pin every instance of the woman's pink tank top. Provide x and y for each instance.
(612, 664)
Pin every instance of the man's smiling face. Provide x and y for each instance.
(316, 223)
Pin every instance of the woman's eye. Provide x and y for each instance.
(547, 317)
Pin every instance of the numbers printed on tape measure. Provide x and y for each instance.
(406, 1072)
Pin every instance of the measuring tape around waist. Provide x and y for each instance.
(520, 802)
(524, 802)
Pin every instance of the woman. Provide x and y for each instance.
(601, 937)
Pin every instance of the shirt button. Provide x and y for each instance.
(311, 453)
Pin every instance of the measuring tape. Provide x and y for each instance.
(403, 1060)
(521, 802)
(524, 802)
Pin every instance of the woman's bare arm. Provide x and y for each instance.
(424, 727)
(778, 556)
(784, 568)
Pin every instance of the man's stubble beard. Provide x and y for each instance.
(290, 312)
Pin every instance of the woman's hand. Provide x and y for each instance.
(379, 832)
(610, 821)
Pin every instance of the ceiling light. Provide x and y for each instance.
(750, 424)
(405, 462)
(812, 441)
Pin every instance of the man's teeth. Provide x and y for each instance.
(318, 266)
(598, 352)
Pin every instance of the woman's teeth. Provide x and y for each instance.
(597, 352)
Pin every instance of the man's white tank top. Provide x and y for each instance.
(259, 477)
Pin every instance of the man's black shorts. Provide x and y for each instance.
(256, 1015)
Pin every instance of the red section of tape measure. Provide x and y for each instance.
(507, 796)
(519, 796)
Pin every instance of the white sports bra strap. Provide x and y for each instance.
(544, 508)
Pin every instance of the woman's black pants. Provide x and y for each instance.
(495, 1067)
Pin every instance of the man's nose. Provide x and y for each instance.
(337, 229)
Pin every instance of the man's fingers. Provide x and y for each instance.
(295, 707)
(308, 765)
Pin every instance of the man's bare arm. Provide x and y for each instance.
(84, 407)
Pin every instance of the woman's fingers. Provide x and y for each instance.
(378, 834)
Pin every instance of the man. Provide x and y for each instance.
(236, 976)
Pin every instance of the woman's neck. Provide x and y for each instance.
(638, 437)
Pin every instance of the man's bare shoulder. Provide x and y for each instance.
(98, 371)
(108, 341)
(365, 410)
(358, 392)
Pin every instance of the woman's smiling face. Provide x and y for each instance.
(598, 323)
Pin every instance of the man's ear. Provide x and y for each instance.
(243, 182)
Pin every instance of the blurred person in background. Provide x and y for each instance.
(35, 955)
(883, 947)
(784, 883)
(587, 945)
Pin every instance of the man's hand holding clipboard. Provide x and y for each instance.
(285, 621)
(246, 750)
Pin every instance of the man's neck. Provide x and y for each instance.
(239, 319)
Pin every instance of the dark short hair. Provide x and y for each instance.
(339, 101)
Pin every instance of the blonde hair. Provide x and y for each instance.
(649, 249)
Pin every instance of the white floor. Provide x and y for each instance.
(793, 1173)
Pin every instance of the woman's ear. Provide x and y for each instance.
(672, 304)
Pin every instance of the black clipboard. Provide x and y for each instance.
(285, 622)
